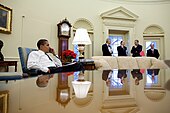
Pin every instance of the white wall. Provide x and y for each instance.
(42, 16)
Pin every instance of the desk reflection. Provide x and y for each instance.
(154, 84)
(116, 81)
(152, 75)
(120, 93)
(42, 80)
(137, 75)
(63, 89)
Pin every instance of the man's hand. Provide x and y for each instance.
(48, 71)
(52, 51)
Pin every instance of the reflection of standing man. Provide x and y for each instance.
(122, 75)
(136, 49)
(106, 76)
(122, 49)
(152, 52)
(106, 48)
(137, 75)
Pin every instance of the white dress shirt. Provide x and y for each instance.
(109, 48)
(39, 60)
(110, 75)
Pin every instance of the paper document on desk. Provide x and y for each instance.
(69, 64)
(87, 60)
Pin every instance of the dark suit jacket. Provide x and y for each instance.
(137, 73)
(155, 54)
(105, 50)
(136, 51)
(105, 74)
(121, 51)
(1, 57)
(121, 73)
(153, 71)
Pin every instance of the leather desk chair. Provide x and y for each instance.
(23, 54)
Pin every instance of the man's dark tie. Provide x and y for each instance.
(110, 46)
(48, 56)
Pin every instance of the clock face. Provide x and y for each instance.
(65, 29)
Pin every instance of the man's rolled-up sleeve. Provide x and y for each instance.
(33, 62)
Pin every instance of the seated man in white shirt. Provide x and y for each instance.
(44, 62)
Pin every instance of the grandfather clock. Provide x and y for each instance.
(63, 90)
(64, 33)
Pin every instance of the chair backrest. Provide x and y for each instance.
(23, 54)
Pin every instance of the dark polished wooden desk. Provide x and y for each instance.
(88, 64)
(9, 63)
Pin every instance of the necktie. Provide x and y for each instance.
(110, 49)
(109, 46)
(48, 57)
(152, 51)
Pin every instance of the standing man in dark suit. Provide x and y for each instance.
(136, 49)
(1, 55)
(106, 48)
(122, 49)
(2, 68)
(152, 52)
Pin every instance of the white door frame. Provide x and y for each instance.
(161, 46)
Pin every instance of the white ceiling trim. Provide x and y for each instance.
(140, 1)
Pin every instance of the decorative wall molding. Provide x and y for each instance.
(119, 17)
(122, 19)
(119, 13)
(118, 23)
(127, 105)
(12, 58)
(154, 30)
(121, 110)
(84, 23)
(153, 35)
(144, 2)
(83, 102)
(155, 95)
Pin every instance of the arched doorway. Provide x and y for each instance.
(154, 34)
(84, 23)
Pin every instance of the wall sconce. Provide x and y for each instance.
(81, 87)
(81, 38)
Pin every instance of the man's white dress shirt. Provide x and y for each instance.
(109, 48)
(39, 60)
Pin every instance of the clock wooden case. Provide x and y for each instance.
(64, 33)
